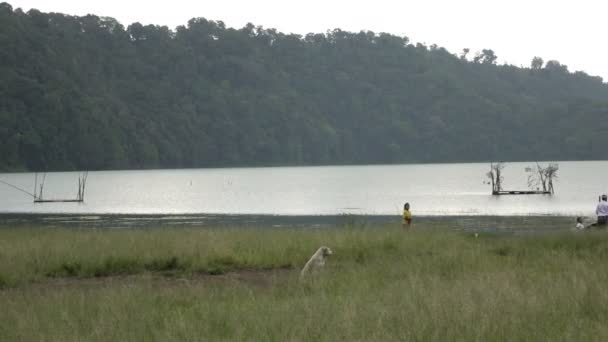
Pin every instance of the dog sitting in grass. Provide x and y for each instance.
(317, 261)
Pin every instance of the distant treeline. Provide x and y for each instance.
(88, 93)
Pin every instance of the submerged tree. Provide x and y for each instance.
(495, 176)
(543, 177)
(550, 172)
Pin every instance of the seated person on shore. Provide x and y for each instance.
(602, 211)
(579, 223)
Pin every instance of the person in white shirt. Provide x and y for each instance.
(602, 211)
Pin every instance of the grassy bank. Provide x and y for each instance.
(242, 284)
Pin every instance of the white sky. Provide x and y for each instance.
(572, 32)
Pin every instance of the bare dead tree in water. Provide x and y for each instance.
(551, 173)
(543, 177)
(533, 182)
(546, 176)
(495, 176)
(490, 175)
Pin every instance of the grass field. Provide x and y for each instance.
(381, 284)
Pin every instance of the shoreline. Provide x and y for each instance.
(452, 222)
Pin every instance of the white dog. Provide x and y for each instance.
(316, 261)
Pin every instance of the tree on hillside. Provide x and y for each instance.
(486, 56)
(557, 66)
(88, 93)
(537, 63)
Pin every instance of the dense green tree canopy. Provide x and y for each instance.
(88, 93)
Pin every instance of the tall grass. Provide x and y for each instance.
(381, 284)
(31, 255)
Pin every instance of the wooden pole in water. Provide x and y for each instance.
(42, 185)
(85, 175)
(35, 184)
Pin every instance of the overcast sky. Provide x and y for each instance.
(572, 32)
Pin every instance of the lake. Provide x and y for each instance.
(431, 189)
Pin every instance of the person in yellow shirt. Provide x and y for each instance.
(407, 215)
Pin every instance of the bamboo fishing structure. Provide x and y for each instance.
(38, 194)
(543, 177)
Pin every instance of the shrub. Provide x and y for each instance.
(166, 264)
(3, 282)
(117, 266)
(67, 269)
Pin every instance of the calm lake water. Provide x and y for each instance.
(432, 190)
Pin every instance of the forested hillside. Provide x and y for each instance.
(88, 93)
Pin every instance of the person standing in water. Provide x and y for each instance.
(407, 215)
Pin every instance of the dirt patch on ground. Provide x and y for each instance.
(250, 277)
(260, 278)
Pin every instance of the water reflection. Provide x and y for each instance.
(432, 189)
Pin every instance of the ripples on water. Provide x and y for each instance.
(380, 190)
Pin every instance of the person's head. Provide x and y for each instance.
(406, 206)
(604, 197)
(579, 220)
